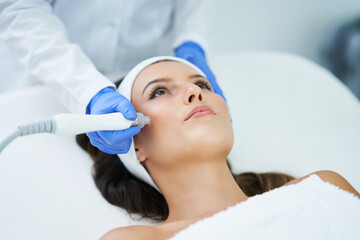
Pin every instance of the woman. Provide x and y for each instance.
(184, 150)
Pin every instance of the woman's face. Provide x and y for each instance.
(169, 92)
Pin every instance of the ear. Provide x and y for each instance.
(140, 155)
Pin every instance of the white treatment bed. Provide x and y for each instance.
(289, 115)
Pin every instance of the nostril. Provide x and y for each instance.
(191, 97)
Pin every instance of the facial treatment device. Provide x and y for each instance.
(73, 124)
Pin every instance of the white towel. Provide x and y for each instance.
(311, 209)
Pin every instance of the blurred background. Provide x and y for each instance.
(324, 31)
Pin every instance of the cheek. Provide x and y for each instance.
(156, 137)
(163, 116)
(227, 125)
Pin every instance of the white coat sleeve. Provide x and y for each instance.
(192, 21)
(39, 39)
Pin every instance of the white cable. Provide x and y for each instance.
(9, 139)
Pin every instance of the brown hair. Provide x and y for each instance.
(119, 187)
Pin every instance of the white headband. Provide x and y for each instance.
(129, 159)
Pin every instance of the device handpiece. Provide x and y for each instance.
(73, 124)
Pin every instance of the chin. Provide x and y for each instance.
(211, 140)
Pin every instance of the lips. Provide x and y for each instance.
(199, 111)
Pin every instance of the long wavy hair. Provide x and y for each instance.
(119, 187)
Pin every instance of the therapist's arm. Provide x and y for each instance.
(39, 39)
(192, 20)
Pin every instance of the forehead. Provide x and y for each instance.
(164, 69)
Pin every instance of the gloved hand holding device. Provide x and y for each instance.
(192, 52)
(106, 101)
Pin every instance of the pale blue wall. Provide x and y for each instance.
(296, 26)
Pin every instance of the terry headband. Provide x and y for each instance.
(129, 159)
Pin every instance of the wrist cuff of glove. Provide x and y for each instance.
(96, 96)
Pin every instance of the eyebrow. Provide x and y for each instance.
(167, 80)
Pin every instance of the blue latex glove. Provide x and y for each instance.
(192, 52)
(106, 101)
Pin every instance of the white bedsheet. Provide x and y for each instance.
(311, 209)
(289, 115)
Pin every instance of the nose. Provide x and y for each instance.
(193, 94)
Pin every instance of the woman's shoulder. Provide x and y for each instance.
(137, 232)
(330, 177)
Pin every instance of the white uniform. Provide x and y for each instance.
(77, 46)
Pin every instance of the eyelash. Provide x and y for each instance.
(158, 87)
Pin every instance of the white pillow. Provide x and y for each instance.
(289, 115)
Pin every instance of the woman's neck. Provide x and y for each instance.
(199, 190)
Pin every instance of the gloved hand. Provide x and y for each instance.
(192, 52)
(106, 101)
